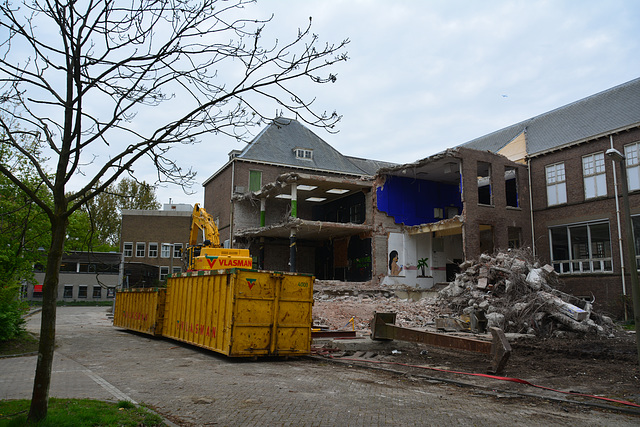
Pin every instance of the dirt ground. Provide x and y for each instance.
(594, 365)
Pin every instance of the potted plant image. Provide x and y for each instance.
(422, 266)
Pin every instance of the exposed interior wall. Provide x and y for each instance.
(412, 201)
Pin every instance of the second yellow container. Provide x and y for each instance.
(241, 313)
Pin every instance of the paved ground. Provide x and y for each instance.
(195, 387)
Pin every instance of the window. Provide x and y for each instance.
(153, 250)
(177, 250)
(177, 270)
(140, 247)
(484, 183)
(595, 181)
(97, 292)
(635, 220)
(513, 236)
(255, 180)
(632, 156)
(166, 250)
(82, 291)
(68, 291)
(511, 186)
(164, 271)
(303, 153)
(556, 184)
(111, 292)
(581, 248)
(128, 249)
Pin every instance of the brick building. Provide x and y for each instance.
(84, 276)
(447, 208)
(290, 189)
(152, 242)
(578, 224)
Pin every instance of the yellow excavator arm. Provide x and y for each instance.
(210, 255)
(201, 220)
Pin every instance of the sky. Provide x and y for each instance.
(423, 76)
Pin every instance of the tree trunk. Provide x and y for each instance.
(42, 382)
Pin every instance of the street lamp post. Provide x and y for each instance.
(615, 155)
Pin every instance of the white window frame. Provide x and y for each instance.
(556, 179)
(576, 265)
(153, 250)
(632, 160)
(165, 251)
(141, 249)
(303, 153)
(164, 272)
(176, 270)
(177, 250)
(593, 173)
(127, 249)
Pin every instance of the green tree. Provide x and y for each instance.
(23, 234)
(85, 79)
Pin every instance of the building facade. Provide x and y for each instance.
(576, 191)
(84, 276)
(152, 242)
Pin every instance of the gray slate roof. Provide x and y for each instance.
(613, 109)
(275, 144)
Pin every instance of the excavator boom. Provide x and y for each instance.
(210, 255)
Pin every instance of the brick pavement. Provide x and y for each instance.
(196, 387)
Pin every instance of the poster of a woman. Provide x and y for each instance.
(394, 268)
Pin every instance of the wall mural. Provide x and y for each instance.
(396, 254)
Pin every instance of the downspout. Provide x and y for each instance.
(233, 176)
(622, 266)
(533, 230)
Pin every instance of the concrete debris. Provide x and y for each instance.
(520, 296)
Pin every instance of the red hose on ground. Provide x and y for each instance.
(495, 377)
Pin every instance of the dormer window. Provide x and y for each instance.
(303, 153)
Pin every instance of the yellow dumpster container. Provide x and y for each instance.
(241, 313)
(140, 310)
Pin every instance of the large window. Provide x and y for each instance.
(255, 180)
(164, 271)
(556, 184)
(632, 155)
(581, 248)
(128, 249)
(595, 182)
(82, 291)
(636, 237)
(140, 247)
(97, 292)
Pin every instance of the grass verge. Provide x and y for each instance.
(79, 412)
(24, 343)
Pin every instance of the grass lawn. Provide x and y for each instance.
(79, 412)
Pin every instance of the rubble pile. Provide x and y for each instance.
(518, 295)
(335, 311)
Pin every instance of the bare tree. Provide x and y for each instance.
(82, 76)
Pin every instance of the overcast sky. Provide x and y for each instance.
(427, 75)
